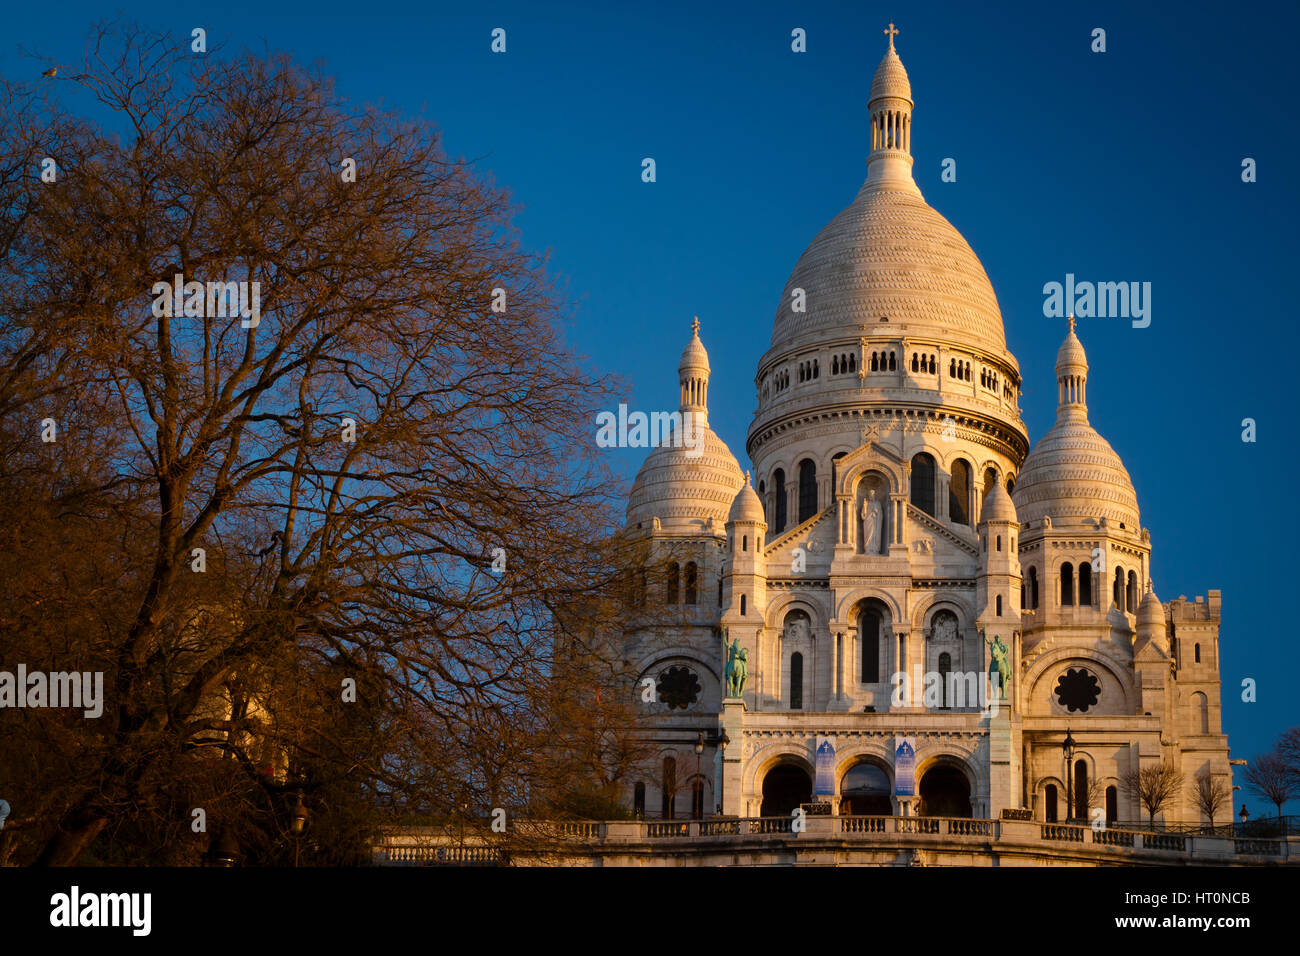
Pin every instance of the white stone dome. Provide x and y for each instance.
(682, 486)
(684, 491)
(747, 507)
(998, 505)
(1072, 474)
(888, 260)
(890, 79)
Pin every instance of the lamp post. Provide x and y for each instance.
(297, 823)
(1067, 748)
(223, 851)
(723, 740)
(697, 803)
(1244, 814)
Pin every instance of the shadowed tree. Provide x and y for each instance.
(402, 404)
(1270, 777)
(1211, 795)
(1155, 786)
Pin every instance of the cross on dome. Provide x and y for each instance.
(695, 325)
(891, 33)
(1071, 321)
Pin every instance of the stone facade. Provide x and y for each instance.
(898, 520)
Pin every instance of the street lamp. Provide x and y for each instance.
(697, 788)
(723, 740)
(1245, 814)
(1067, 747)
(224, 850)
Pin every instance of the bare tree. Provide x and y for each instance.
(1155, 786)
(1271, 777)
(331, 546)
(1210, 794)
(1288, 748)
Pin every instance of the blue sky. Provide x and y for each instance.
(1117, 166)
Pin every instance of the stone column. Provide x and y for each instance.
(733, 723)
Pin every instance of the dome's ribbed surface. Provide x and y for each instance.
(681, 490)
(998, 505)
(890, 79)
(1071, 474)
(747, 507)
(890, 256)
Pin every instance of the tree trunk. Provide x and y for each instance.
(66, 847)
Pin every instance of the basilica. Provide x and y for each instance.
(908, 608)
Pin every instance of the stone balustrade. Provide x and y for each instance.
(878, 840)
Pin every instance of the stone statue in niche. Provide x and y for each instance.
(873, 522)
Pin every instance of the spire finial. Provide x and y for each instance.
(746, 477)
(695, 326)
(1071, 321)
(891, 33)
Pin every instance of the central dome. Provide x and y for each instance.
(887, 260)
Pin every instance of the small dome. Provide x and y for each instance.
(1151, 615)
(998, 505)
(1072, 473)
(684, 491)
(890, 79)
(694, 357)
(747, 507)
(1071, 354)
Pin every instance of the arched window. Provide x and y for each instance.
(999, 547)
(952, 368)
(742, 605)
(668, 804)
(869, 642)
(697, 798)
(1033, 588)
(945, 665)
(719, 590)
(762, 497)
(891, 362)
(932, 365)
(1118, 589)
(1197, 650)
(853, 363)
(638, 800)
(959, 493)
(796, 681)
(990, 479)
(1011, 484)
(835, 365)
(744, 542)
(916, 363)
(875, 362)
(807, 490)
(778, 493)
(692, 582)
(1132, 591)
(673, 575)
(1200, 713)
(1085, 584)
(1067, 584)
(1081, 791)
(999, 611)
(1112, 805)
(923, 482)
(1049, 803)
